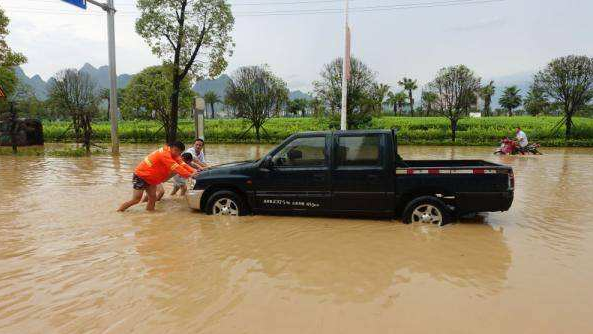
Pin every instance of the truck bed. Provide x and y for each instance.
(468, 185)
(445, 164)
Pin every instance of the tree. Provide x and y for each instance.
(535, 102)
(229, 105)
(26, 101)
(510, 99)
(8, 80)
(317, 107)
(191, 36)
(105, 96)
(486, 93)
(297, 106)
(392, 102)
(283, 99)
(397, 100)
(428, 101)
(74, 92)
(456, 88)
(569, 82)
(8, 58)
(211, 98)
(360, 85)
(378, 95)
(16, 93)
(255, 93)
(409, 85)
(147, 95)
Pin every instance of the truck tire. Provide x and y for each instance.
(226, 203)
(426, 209)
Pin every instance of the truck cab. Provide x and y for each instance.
(352, 172)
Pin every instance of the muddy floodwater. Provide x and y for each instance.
(70, 264)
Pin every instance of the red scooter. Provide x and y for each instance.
(510, 147)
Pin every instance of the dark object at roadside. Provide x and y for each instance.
(353, 172)
(28, 132)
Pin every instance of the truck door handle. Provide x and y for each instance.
(373, 177)
(318, 177)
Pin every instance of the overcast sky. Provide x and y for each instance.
(493, 38)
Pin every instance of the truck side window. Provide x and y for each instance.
(359, 151)
(302, 152)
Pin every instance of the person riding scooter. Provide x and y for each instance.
(521, 137)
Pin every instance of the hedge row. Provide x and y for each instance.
(412, 130)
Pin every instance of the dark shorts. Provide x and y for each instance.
(139, 183)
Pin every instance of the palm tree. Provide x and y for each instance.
(381, 91)
(510, 99)
(391, 100)
(428, 100)
(409, 85)
(486, 93)
(397, 100)
(211, 98)
(535, 102)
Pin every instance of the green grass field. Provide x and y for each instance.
(412, 130)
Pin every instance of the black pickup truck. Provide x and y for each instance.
(353, 172)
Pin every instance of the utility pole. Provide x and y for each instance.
(345, 73)
(110, 9)
(198, 107)
(112, 77)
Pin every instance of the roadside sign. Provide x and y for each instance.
(77, 3)
(2, 94)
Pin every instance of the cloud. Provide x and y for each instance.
(493, 39)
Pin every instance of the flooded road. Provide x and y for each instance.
(70, 264)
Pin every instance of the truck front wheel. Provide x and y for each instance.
(426, 209)
(226, 203)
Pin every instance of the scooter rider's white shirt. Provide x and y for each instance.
(197, 156)
(522, 138)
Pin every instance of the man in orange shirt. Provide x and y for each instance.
(155, 169)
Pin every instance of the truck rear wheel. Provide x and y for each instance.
(426, 209)
(226, 203)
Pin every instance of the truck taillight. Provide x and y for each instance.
(511, 180)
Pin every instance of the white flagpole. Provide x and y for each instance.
(345, 74)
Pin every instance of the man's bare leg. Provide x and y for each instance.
(151, 192)
(160, 192)
(136, 197)
(175, 188)
(183, 190)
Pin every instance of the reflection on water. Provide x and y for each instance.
(69, 263)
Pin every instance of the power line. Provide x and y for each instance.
(278, 3)
(294, 12)
(271, 3)
(383, 8)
